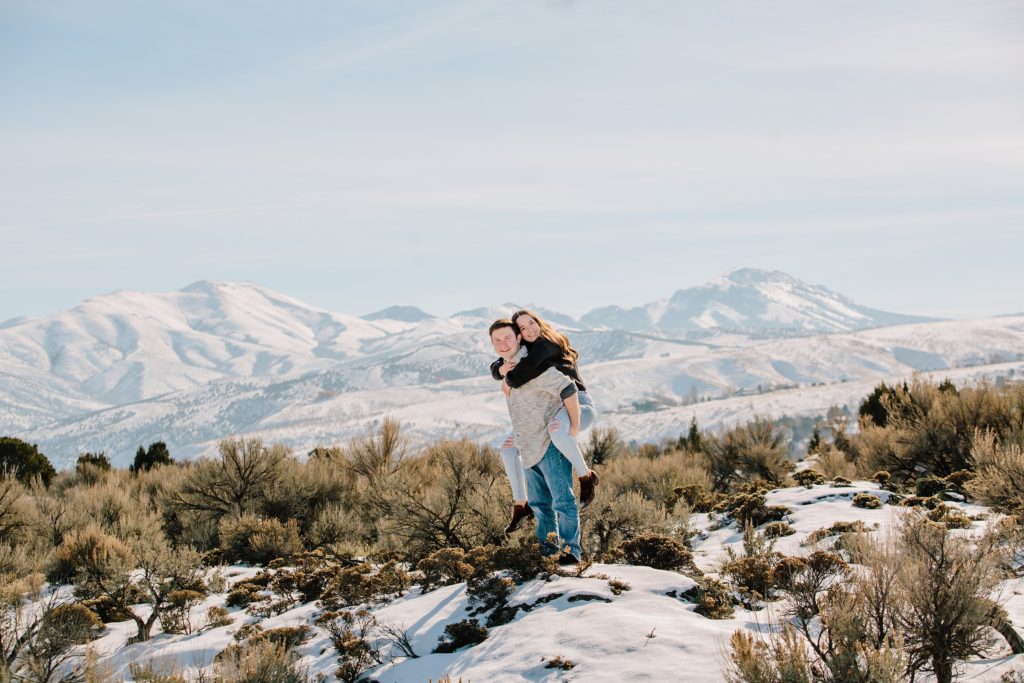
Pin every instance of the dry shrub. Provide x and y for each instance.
(755, 450)
(108, 504)
(445, 567)
(999, 478)
(832, 638)
(217, 617)
(697, 498)
(749, 508)
(18, 562)
(933, 426)
(454, 496)
(237, 483)
(657, 551)
(55, 515)
(256, 540)
(713, 598)
(16, 518)
(604, 446)
(91, 551)
(945, 583)
(176, 617)
(949, 516)
(523, 561)
(488, 593)
(753, 573)
(609, 522)
(311, 574)
(809, 477)
(837, 529)
(867, 501)
(461, 634)
(244, 594)
(365, 583)
(873, 449)
(560, 662)
(49, 647)
(338, 526)
(805, 578)
(773, 530)
(377, 454)
(304, 490)
(834, 463)
(656, 478)
(930, 502)
(353, 634)
(1005, 539)
(288, 637)
(259, 662)
(152, 673)
(782, 659)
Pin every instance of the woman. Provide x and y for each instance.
(546, 347)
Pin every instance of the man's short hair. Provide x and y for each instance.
(504, 322)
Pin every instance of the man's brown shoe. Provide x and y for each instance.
(587, 484)
(520, 513)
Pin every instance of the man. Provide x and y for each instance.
(548, 473)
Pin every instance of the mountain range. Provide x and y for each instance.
(746, 301)
(221, 358)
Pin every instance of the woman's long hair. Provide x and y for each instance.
(551, 334)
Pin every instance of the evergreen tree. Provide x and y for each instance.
(694, 441)
(815, 443)
(97, 460)
(157, 454)
(24, 460)
(874, 408)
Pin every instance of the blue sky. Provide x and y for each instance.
(567, 153)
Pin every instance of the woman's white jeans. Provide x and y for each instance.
(566, 444)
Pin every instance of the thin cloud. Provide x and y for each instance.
(194, 212)
(341, 54)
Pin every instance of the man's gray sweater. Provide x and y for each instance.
(531, 407)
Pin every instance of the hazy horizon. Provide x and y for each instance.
(446, 313)
(461, 153)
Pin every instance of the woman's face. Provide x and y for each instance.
(529, 327)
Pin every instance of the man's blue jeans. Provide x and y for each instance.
(549, 491)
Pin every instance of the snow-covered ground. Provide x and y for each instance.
(646, 633)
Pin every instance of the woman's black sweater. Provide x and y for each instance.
(542, 354)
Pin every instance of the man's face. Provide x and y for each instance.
(506, 342)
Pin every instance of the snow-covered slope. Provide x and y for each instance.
(131, 346)
(648, 632)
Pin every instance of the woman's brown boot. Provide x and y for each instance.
(520, 513)
(587, 484)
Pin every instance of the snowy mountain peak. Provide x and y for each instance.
(749, 301)
(405, 314)
(756, 276)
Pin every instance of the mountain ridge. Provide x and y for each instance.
(220, 358)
